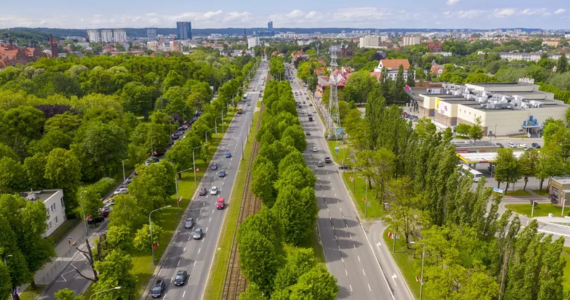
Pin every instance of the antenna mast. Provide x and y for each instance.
(334, 116)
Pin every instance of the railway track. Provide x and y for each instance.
(234, 282)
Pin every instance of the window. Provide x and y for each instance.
(47, 211)
(56, 220)
(62, 203)
(49, 225)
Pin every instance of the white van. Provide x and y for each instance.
(466, 169)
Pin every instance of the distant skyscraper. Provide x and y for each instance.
(270, 26)
(93, 36)
(106, 36)
(120, 35)
(184, 30)
(151, 34)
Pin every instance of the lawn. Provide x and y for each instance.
(341, 157)
(540, 210)
(358, 190)
(566, 280)
(541, 192)
(519, 193)
(30, 294)
(215, 284)
(408, 263)
(169, 218)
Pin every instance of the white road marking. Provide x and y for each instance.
(369, 287)
(210, 220)
(359, 260)
(213, 210)
(183, 294)
(346, 272)
(350, 285)
(335, 237)
(354, 245)
(184, 250)
(342, 258)
(199, 249)
(394, 277)
(171, 279)
(178, 264)
(378, 245)
(195, 263)
(188, 238)
(363, 272)
(349, 235)
(206, 229)
(338, 248)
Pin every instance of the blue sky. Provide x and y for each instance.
(484, 14)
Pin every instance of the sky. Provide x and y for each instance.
(476, 14)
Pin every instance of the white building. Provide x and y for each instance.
(392, 66)
(120, 35)
(55, 207)
(369, 42)
(532, 56)
(252, 42)
(152, 46)
(94, 36)
(410, 40)
(106, 36)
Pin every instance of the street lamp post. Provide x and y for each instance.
(206, 134)
(366, 199)
(115, 288)
(532, 209)
(150, 228)
(216, 123)
(176, 183)
(422, 275)
(194, 163)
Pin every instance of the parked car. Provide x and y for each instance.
(344, 167)
(320, 164)
(95, 220)
(228, 154)
(120, 190)
(181, 278)
(535, 145)
(189, 223)
(221, 203)
(197, 234)
(203, 192)
(222, 173)
(512, 145)
(328, 160)
(107, 209)
(315, 149)
(214, 191)
(500, 145)
(151, 160)
(214, 166)
(522, 145)
(105, 214)
(158, 289)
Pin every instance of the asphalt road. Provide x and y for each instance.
(195, 256)
(349, 255)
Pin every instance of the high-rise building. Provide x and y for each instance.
(184, 30)
(93, 36)
(151, 34)
(120, 35)
(369, 42)
(107, 36)
(270, 26)
(410, 40)
(252, 42)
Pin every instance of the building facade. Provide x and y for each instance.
(184, 30)
(393, 66)
(532, 56)
(410, 40)
(151, 34)
(369, 42)
(93, 36)
(55, 207)
(120, 35)
(252, 42)
(106, 36)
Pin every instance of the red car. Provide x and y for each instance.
(221, 203)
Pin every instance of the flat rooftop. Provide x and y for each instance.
(464, 144)
(42, 195)
(485, 157)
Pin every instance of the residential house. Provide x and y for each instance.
(340, 76)
(55, 207)
(434, 47)
(392, 66)
(437, 69)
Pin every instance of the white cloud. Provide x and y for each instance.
(559, 11)
(503, 12)
(452, 2)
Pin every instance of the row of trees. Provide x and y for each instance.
(128, 232)
(472, 252)
(275, 268)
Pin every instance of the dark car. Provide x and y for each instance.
(158, 289)
(203, 192)
(228, 154)
(214, 166)
(328, 160)
(181, 278)
(500, 145)
(320, 164)
(535, 145)
(189, 223)
(222, 173)
(344, 167)
(92, 221)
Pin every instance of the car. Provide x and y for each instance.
(203, 192)
(500, 145)
(535, 145)
(189, 223)
(158, 289)
(105, 214)
(221, 203)
(526, 148)
(107, 209)
(121, 190)
(222, 173)
(228, 154)
(180, 278)
(175, 137)
(248, 104)
(95, 220)
(512, 145)
(315, 149)
(344, 167)
(214, 191)
(109, 202)
(197, 234)
(308, 133)
(128, 180)
(320, 164)
(522, 145)
(328, 160)
(214, 166)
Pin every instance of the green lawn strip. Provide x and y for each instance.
(566, 280)
(541, 192)
(63, 230)
(375, 210)
(30, 294)
(540, 210)
(519, 193)
(341, 157)
(409, 265)
(169, 218)
(215, 284)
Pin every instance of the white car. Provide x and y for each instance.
(522, 146)
(315, 149)
(214, 191)
(121, 191)
(512, 145)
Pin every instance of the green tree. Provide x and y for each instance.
(476, 131)
(67, 294)
(12, 176)
(299, 262)
(315, 284)
(252, 292)
(49, 141)
(463, 129)
(299, 176)
(21, 125)
(529, 165)
(507, 168)
(63, 170)
(120, 238)
(297, 212)
(425, 128)
(126, 211)
(137, 98)
(263, 177)
(297, 133)
(116, 270)
(142, 241)
(5, 282)
(154, 186)
(562, 64)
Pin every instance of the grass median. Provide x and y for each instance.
(408, 261)
(540, 210)
(215, 284)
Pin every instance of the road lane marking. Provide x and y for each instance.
(369, 287)
(171, 279)
(339, 207)
(184, 250)
(184, 294)
(350, 285)
(342, 258)
(346, 272)
(354, 245)
(206, 229)
(213, 210)
(394, 277)
(178, 264)
(195, 263)
(199, 249)
(349, 235)
(335, 237)
(188, 238)
(363, 272)
(378, 245)
(210, 220)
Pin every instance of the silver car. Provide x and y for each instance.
(189, 223)
(197, 234)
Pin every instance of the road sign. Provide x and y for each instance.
(336, 149)
(69, 237)
(364, 199)
(351, 179)
(340, 131)
(368, 203)
(197, 170)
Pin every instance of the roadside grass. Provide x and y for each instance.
(169, 218)
(566, 278)
(30, 294)
(540, 210)
(63, 230)
(541, 192)
(341, 157)
(408, 261)
(215, 284)
(357, 189)
(519, 193)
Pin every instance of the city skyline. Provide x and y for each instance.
(444, 14)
